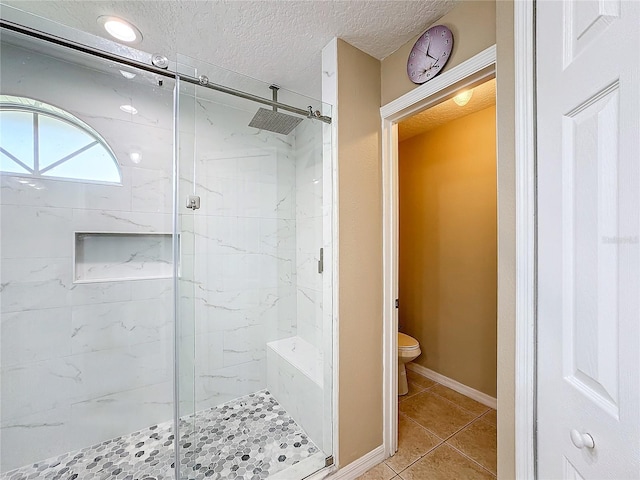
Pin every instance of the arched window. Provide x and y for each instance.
(44, 141)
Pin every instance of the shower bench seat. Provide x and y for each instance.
(295, 374)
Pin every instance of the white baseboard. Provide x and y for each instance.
(354, 469)
(476, 395)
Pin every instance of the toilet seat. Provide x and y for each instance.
(407, 344)
(408, 351)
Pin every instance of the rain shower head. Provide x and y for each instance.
(273, 120)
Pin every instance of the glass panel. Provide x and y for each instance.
(263, 324)
(87, 364)
(57, 139)
(9, 166)
(95, 163)
(16, 135)
(188, 286)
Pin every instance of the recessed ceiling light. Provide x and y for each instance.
(129, 109)
(136, 157)
(120, 29)
(127, 75)
(463, 98)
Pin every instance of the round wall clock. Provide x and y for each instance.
(429, 54)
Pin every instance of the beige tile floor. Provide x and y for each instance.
(442, 435)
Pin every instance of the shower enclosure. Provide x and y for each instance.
(165, 277)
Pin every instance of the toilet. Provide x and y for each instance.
(408, 350)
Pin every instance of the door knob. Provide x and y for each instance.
(582, 440)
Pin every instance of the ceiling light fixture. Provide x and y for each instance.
(463, 98)
(136, 157)
(129, 109)
(120, 29)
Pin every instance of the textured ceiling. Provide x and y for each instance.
(484, 96)
(275, 41)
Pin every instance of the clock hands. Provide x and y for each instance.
(435, 60)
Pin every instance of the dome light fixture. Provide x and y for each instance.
(120, 29)
(463, 98)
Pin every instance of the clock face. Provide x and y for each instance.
(429, 54)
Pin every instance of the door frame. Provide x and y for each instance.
(473, 71)
(526, 241)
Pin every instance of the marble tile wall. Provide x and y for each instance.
(243, 245)
(79, 362)
(309, 231)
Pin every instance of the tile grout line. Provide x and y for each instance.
(423, 427)
(451, 401)
(487, 421)
(440, 443)
(424, 389)
(474, 461)
(460, 406)
(449, 436)
(418, 459)
(477, 417)
(461, 429)
(445, 441)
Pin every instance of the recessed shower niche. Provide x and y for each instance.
(110, 256)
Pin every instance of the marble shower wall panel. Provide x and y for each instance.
(309, 231)
(244, 267)
(83, 344)
(82, 363)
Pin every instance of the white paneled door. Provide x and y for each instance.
(588, 100)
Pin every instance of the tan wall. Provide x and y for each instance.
(473, 24)
(448, 248)
(360, 405)
(475, 27)
(360, 253)
(505, 103)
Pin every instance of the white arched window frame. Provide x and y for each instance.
(40, 140)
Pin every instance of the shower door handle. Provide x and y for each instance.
(193, 202)
(321, 261)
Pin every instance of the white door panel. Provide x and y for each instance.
(588, 75)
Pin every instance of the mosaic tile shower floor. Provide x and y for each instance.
(251, 438)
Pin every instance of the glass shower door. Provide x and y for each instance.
(86, 265)
(260, 404)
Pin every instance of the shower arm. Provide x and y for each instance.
(165, 72)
